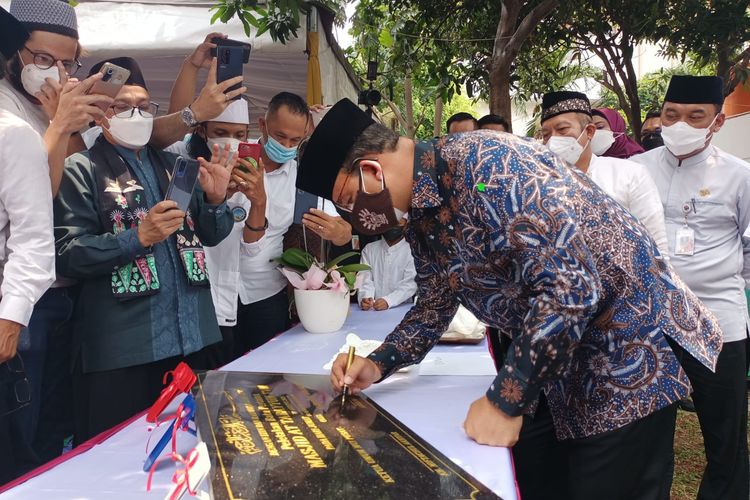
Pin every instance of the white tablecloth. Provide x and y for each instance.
(434, 407)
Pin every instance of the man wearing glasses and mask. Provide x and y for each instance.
(144, 302)
(567, 276)
(39, 85)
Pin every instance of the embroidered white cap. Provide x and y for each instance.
(236, 112)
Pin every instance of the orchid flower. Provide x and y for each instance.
(294, 278)
(315, 276)
(338, 283)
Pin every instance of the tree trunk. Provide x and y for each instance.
(437, 130)
(411, 128)
(509, 37)
(500, 103)
(631, 89)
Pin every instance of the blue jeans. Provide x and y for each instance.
(49, 326)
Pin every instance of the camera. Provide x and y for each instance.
(107, 75)
(369, 97)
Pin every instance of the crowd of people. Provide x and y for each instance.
(610, 271)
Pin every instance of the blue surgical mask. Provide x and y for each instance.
(277, 152)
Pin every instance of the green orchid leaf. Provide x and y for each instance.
(354, 268)
(340, 258)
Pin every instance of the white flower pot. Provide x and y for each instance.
(321, 311)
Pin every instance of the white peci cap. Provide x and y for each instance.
(236, 112)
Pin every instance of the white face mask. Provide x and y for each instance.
(681, 139)
(32, 78)
(566, 148)
(602, 141)
(234, 144)
(133, 132)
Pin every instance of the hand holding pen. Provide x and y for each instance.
(347, 381)
(360, 374)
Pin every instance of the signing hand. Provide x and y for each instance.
(161, 222)
(201, 56)
(334, 229)
(361, 375)
(380, 305)
(212, 100)
(366, 304)
(250, 183)
(214, 175)
(70, 105)
(9, 332)
(487, 424)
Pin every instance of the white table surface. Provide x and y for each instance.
(434, 407)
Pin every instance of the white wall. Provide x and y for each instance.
(733, 136)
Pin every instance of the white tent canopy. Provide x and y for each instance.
(161, 34)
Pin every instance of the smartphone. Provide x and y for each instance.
(246, 47)
(111, 83)
(182, 183)
(249, 152)
(302, 204)
(229, 64)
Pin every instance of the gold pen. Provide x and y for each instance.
(349, 360)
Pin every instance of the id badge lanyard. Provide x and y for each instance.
(685, 237)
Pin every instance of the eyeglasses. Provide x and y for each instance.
(147, 110)
(21, 394)
(354, 168)
(42, 60)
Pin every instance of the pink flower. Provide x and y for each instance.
(315, 277)
(338, 283)
(294, 278)
(312, 279)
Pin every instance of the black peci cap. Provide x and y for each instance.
(325, 152)
(564, 101)
(687, 89)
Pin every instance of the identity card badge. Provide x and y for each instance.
(685, 241)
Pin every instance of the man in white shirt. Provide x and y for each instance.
(36, 88)
(706, 198)
(263, 309)
(567, 130)
(391, 280)
(27, 258)
(223, 260)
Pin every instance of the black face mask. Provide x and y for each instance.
(394, 234)
(651, 141)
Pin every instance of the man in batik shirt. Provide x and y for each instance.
(537, 251)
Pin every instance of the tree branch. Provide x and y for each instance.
(530, 22)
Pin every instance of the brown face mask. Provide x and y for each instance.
(372, 213)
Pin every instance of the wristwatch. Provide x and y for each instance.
(188, 117)
(257, 229)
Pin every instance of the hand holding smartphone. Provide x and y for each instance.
(218, 40)
(181, 185)
(113, 78)
(229, 61)
(250, 153)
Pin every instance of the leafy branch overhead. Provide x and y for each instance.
(280, 18)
